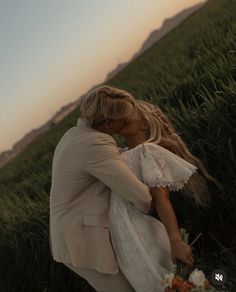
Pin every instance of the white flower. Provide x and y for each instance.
(197, 277)
(168, 280)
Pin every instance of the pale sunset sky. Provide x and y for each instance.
(53, 51)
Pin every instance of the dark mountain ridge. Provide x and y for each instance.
(156, 35)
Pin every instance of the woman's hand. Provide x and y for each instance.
(182, 251)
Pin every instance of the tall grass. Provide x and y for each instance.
(191, 74)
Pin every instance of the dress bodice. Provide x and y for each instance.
(140, 241)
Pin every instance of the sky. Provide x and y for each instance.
(53, 51)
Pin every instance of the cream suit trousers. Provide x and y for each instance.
(103, 282)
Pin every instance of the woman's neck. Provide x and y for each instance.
(134, 141)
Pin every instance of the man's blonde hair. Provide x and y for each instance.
(106, 102)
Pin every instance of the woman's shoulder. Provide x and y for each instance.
(144, 149)
(150, 146)
(166, 158)
(161, 167)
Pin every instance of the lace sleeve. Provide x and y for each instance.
(161, 167)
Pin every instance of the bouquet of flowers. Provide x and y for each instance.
(184, 281)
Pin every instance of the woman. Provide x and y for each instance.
(145, 247)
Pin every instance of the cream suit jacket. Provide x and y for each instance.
(86, 166)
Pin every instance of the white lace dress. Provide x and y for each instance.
(140, 241)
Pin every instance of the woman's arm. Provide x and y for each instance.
(163, 206)
(165, 211)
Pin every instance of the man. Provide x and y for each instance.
(86, 166)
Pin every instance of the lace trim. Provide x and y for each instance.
(161, 167)
(172, 186)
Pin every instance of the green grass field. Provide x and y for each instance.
(191, 74)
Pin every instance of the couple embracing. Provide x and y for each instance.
(102, 196)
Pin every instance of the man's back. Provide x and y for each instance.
(69, 178)
(77, 199)
(86, 165)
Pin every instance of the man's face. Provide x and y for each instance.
(112, 126)
(132, 126)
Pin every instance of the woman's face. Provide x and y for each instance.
(133, 126)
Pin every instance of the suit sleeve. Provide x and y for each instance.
(105, 163)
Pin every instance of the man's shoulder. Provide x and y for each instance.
(85, 130)
(92, 136)
(97, 137)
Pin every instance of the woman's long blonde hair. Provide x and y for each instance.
(162, 132)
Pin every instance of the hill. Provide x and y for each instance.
(156, 35)
(17, 148)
